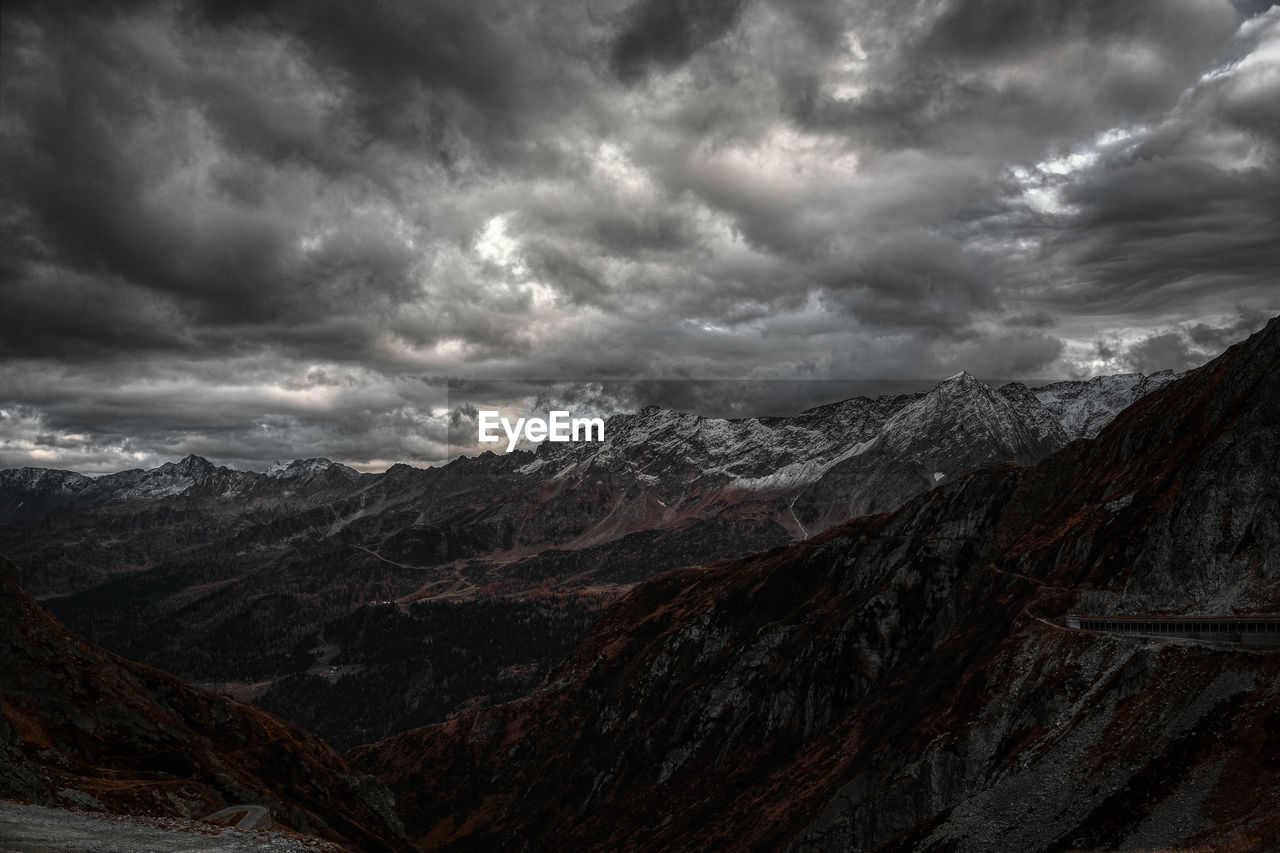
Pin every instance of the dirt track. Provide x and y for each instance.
(36, 829)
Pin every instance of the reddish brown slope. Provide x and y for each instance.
(890, 685)
(82, 727)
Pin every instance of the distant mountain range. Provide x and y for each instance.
(246, 579)
(657, 469)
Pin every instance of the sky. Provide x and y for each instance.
(261, 231)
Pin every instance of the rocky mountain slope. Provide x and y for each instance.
(246, 579)
(898, 683)
(83, 728)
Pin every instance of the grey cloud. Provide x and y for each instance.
(245, 417)
(436, 77)
(1187, 206)
(1250, 8)
(916, 280)
(1180, 347)
(1002, 76)
(1033, 320)
(128, 201)
(665, 33)
(464, 420)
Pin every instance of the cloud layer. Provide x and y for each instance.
(268, 230)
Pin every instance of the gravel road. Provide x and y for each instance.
(36, 829)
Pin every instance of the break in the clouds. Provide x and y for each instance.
(265, 230)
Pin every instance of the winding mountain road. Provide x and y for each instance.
(255, 817)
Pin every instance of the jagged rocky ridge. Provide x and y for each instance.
(897, 683)
(83, 728)
(658, 469)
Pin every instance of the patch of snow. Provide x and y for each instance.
(800, 473)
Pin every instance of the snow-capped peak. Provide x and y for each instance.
(306, 468)
(189, 465)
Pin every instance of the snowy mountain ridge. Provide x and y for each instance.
(959, 424)
(192, 475)
(780, 453)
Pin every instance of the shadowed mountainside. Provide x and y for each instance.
(897, 683)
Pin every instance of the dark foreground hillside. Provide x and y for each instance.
(83, 728)
(900, 683)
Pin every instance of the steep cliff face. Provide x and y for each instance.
(1175, 507)
(83, 728)
(898, 682)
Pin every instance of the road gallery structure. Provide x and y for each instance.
(1227, 629)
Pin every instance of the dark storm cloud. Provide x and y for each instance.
(1189, 205)
(1011, 74)
(919, 280)
(277, 176)
(423, 73)
(243, 229)
(136, 211)
(1181, 347)
(666, 33)
(1202, 226)
(1249, 8)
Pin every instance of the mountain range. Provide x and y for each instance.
(674, 460)
(271, 585)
